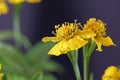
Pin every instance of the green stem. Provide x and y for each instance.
(86, 67)
(16, 24)
(76, 71)
(73, 56)
(87, 51)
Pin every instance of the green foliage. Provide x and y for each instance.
(38, 76)
(35, 64)
(4, 77)
(7, 34)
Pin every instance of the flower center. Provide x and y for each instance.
(96, 26)
(67, 30)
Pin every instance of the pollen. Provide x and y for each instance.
(97, 26)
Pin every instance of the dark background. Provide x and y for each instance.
(39, 20)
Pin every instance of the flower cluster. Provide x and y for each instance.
(72, 36)
(4, 8)
(69, 37)
(111, 73)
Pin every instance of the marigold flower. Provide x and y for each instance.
(111, 73)
(98, 27)
(69, 37)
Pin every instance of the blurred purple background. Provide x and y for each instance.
(39, 20)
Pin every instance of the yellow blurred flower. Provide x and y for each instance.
(69, 37)
(33, 1)
(98, 27)
(1, 74)
(15, 1)
(3, 5)
(111, 73)
(3, 8)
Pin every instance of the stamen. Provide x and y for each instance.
(96, 26)
(66, 30)
(53, 32)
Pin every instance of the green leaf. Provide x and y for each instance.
(39, 51)
(21, 66)
(38, 76)
(25, 42)
(13, 60)
(4, 77)
(11, 76)
(49, 77)
(40, 60)
(8, 34)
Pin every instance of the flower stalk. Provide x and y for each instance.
(73, 56)
(87, 51)
(86, 66)
(16, 24)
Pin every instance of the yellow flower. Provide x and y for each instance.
(34, 1)
(3, 8)
(1, 74)
(3, 5)
(98, 27)
(111, 73)
(69, 37)
(15, 1)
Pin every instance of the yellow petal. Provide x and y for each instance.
(60, 48)
(3, 8)
(34, 1)
(64, 46)
(111, 71)
(98, 44)
(53, 39)
(86, 34)
(15, 1)
(76, 43)
(107, 41)
(104, 77)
